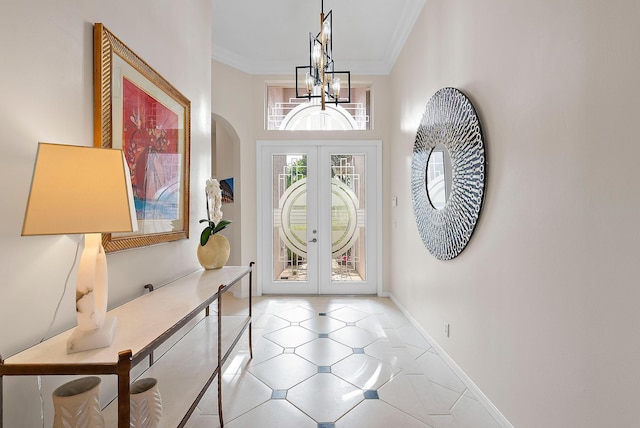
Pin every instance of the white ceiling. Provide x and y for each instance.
(272, 36)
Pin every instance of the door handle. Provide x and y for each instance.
(314, 240)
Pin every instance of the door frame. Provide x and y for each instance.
(348, 146)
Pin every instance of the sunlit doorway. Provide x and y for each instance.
(319, 222)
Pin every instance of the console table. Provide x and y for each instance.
(186, 370)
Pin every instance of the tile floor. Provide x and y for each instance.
(337, 362)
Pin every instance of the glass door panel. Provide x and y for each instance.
(289, 202)
(347, 218)
(351, 176)
(290, 217)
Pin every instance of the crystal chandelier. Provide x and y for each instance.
(319, 79)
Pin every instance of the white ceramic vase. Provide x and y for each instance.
(76, 404)
(215, 253)
(146, 403)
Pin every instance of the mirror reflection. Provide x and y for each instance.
(439, 176)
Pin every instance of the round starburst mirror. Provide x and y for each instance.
(448, 173)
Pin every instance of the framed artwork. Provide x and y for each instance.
(138, 111)
(226, 186)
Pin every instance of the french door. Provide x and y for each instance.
(319, 212)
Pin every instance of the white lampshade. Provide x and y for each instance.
(78, 189)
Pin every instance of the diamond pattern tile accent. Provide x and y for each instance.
(371, 394)
(279, 394)
(324, 369)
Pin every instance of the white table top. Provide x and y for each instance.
(140, 321)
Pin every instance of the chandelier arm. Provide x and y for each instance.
(323, 56)
(321, 81)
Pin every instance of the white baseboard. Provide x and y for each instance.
(483, 399)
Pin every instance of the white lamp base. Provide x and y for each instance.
(93, 339)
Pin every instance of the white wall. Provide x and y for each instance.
(543, 303)
(231, 102)
(46, 81)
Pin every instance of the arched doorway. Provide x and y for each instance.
(225, 165)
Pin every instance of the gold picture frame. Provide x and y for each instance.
(138, 111)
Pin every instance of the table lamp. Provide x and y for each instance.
(83, 190)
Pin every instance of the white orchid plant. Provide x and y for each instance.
(214, 220)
